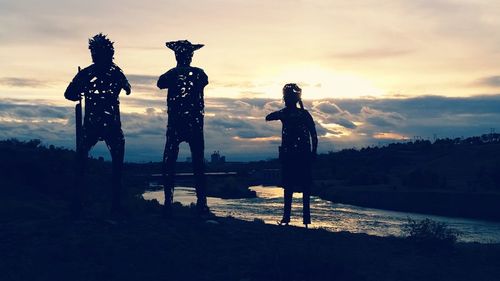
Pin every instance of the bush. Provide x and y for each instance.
(257, 220)
(430, 232)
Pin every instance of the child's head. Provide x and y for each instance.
(292, 95)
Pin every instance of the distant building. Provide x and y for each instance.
(216, 158)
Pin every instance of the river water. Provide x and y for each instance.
(268, 206)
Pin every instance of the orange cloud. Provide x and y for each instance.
(260, 139)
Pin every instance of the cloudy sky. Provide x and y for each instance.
(372, 72)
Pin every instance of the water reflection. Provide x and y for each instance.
(268, 206)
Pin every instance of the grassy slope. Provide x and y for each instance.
(38, 242)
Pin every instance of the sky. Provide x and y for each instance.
(372, 72)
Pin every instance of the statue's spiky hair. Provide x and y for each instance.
(100, 43)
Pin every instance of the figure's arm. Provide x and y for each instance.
(199, 79)
(74, 89)
(314, 135)
(126, 85)
(127, 88)
(204, 78)
(314, 138)
(162, 81)
(122, 80)
(274, 116)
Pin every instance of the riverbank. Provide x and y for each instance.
(334, 217)
(234, 187)
(474, 205)
(39, 242)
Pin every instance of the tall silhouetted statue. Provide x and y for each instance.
(185, 104)
(295, 151)
(100, 84)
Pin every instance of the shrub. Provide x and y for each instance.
(257, 220)
(430, 232)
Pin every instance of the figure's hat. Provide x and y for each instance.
(183, 46)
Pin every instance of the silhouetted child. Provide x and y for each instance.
(100, 84)
(295, 151)
(185, 104)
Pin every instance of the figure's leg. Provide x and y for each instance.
(168, 168)
(306, 199)
(197, 146)
(116, 146)
(288, 194)
(86, 143)
(306, 188)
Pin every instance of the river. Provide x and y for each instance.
(268, 206)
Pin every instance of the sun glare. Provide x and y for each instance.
(321, 83)
(317, 83)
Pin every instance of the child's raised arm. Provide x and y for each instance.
(274, 116)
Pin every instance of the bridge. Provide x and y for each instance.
(266, 177)
(208, 174)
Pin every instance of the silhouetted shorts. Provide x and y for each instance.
(112, 135)
(296, 171)
(177, 135)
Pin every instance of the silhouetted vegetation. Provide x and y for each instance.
(31, 164)
(469, 164)
(429, 232)
(51, 170)
(453, 177)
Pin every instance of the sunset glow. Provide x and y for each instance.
(360, 64)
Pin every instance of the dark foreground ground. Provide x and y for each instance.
(39, 242)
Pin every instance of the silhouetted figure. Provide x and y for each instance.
(185, 120)
(295, 151)
(100, 84)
